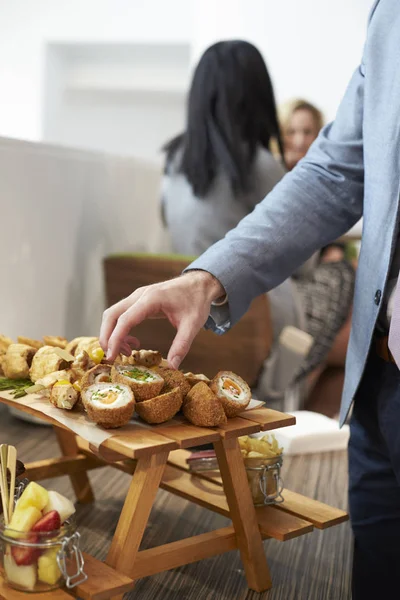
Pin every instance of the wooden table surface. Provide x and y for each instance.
(316, 566)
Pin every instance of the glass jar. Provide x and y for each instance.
(42, 561)
(264, 477)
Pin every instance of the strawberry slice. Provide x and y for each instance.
(50, 522)
(25, 555)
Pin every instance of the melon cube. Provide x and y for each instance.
(23, 576)
(23, 519)
(49, 571)
(33, 495)
(61, 504)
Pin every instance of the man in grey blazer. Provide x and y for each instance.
(352, 170)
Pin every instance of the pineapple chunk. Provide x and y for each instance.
(23, 577)
(49, 571)
(61, 504)
(23, 519)
(33, 495)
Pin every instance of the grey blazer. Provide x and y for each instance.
(352, 169)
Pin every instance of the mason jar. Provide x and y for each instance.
(264, 477)
(42, 561)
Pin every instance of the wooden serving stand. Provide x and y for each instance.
(155, 457)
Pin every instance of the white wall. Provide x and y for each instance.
(311, 47)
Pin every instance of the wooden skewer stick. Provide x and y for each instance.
(12, 466)
(3, 481)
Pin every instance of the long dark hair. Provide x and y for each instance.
(231, 111)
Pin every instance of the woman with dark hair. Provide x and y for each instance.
(219, 169)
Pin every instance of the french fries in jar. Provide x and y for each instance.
(263, 459)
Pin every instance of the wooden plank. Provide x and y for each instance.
(209, 494)
(242, 513)
(185, 434)
(31, 411)
(7, 593)
(80, 481)
(138, 442)
(268, 418)
(135, 513)
(103, 582)
(55, 467)
(238, 426)
(320, 514)
(184, 552)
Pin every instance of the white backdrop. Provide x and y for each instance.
(61, 213)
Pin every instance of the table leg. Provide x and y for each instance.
(135, 513)
(80, 482)
(243, 515)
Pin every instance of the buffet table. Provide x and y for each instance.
(155, 456)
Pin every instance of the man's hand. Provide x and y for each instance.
(184, 301)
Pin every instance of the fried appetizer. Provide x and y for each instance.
(5, 342)
(49, 380)
(161, 408)
(202, 407)
(30, 342)
(81, 365)
(2, 358)
(194, 378)
(55, 340)
(97, 374)
(17, 361)
(46, 361)
(232, 391)
(147, 358)
(174, 379)
(79, 344)
(143, 382)
(64, 395)
(109, 404)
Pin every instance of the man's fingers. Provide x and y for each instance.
(185, 335)
(112, 314)
(134, 315)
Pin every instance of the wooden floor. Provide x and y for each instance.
(316, 566)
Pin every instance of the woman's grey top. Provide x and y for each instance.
(195, 224)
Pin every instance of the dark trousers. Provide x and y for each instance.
(374, 483)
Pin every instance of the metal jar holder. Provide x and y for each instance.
(264, 476)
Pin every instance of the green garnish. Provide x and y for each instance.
(138, 374)
(16, 386)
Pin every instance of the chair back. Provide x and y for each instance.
(242, 350)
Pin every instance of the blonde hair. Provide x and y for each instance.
(286, 111)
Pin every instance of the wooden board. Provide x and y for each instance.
(237, 427)
(186, 434)
(321, 515)
(103, 582)
(268, 418)
(138, 443)
(211, 495)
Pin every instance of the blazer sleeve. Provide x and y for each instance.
(314, 204)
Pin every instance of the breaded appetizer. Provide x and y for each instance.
(174, 379)
(79, 344)
(81, 365)
(109, 404)
(232, 391)
(5, 342)
(64, 395)
(194, 378)
(97, 374)
(147, 358)
(30, 342)
(161, 408)
(55, 340)
(202, 407)
(45, 361)
(144, 383)
(17, 361)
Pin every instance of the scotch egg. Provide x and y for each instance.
(232, 391)
(108, 404)
(144, 382)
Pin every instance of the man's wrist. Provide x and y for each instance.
(213, 287)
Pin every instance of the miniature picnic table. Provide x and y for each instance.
(155, 456)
